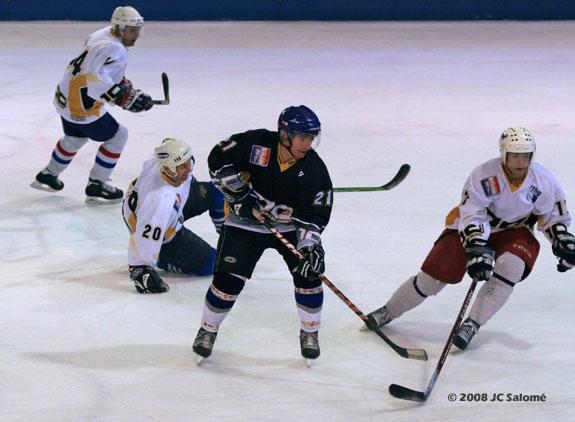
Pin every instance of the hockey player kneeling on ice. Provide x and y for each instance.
(490, 234)
(157, 203)
(93, 79)
(290, 185)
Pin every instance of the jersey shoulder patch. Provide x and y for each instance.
(491, 186)
(260, 155)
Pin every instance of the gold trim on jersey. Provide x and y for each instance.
(513, 186)
(284, 165)
(77, 88)
(452, 216)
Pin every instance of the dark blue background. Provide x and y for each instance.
(292, 9)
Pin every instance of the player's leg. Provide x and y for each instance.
(238, 252)
(187, 253)
(308, 297)
(62, 155)
(445, 264)
(517, 251)
(113, 137)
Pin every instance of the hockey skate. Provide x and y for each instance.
(465, 333)
(378, 318)
(46, 181)
(102, 193)
(309, 343)
(204, 343)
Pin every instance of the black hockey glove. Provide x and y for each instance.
(147, 280)
(313, 264)
(480, 259)
(243, 202)
(138, 101)
(563, 246)
(134, 100)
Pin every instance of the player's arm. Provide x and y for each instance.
(227, 163)
(474, 228)
(112, 89)
(310, 218)
(145, 245)
(554, 225)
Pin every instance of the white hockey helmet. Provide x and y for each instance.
(172, 153)
(517, 140)
(126, 16)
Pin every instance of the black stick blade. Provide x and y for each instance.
(404, 393)
(398, 178)
(166, 86)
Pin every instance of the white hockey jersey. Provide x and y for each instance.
(152, 209)
(90, 79)
(492, 203)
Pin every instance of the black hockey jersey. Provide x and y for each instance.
(304, 186)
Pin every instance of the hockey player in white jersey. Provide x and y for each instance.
(157, 203)
(490, 234)
(94, 78)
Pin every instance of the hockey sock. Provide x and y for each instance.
(108, 155)
(412, 293)
(220, 299)
(309, 303)
(495, 292)
(64, 152)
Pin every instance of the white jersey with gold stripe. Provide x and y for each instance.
(492, 203)
(152, 209)
(90, 79)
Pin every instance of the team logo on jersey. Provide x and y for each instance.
(533, 193)
(260, 156)
(491, 186)
(230, 259)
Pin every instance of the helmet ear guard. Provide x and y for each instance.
(516, 140)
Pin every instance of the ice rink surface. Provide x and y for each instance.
(79, 344)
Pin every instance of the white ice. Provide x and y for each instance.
(79, 344)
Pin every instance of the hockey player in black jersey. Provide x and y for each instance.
(280, 176)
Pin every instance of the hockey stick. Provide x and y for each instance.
(397, 179)
(419, 354)
(166, 86)
(404, 393)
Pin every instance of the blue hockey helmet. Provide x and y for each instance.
(299, 119)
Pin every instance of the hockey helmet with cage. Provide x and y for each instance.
(126, 16)
(173, 153)
(516, 140)
(299, 119)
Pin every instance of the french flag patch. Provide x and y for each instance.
(491, 186)
(260, 156)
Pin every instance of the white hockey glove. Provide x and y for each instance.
(314, 263)
(563, 246)
(146, 280)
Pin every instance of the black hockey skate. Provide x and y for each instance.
(309, 343)
(46, 181)
(204, 343)
(465, 333)
(101, 192)
(379, 318)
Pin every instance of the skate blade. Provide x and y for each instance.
(92, 200)
(363, 328)
(40, 186)
(308, 362)
(199, 359)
